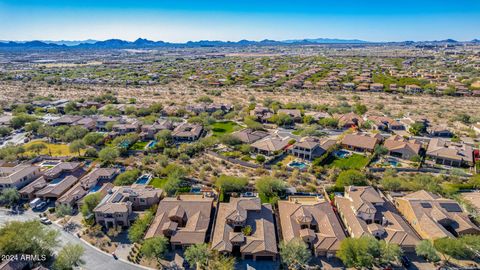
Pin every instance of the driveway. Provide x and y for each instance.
(94, 259)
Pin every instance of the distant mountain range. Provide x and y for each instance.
(328, 41)
(145, 43)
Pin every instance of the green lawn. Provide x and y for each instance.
(139, 146)
(297, 132)
(158, 182)
(355, 161)
(221, 128)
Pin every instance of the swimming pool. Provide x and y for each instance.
(297, 164)
(392, 162)
(50, 163)
(341, 153)
(56, 181)
(125, 144)
(195, 190)
(144, 179)
(151, 144)
(95, 188)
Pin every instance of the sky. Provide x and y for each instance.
(233, 20)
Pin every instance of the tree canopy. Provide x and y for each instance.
(155, 247)
(197, 255)
(69, 257)
(351, 177)
(295, 253)
(9, 196)
(90, 202)
(427, 250)
(366, 252)
(28, 237)
(127, 178)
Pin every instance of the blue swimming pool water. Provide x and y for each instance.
(195, 190)
(95, 189)
(125, 144)
(143, 180)
(394, 163)
(56, 180)
(341, 153)
(151, 144)
(297, 164)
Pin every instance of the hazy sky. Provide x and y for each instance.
(182, 20)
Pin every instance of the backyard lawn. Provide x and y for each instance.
(55, 150)
(139, 145)
(354, 161)
(221, 128)
(158, 182)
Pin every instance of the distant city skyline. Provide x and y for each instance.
(181, 21)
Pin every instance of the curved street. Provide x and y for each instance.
(94, 259)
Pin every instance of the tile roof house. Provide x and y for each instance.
(261, 113)
(365, 212)
(271, 145)
(66, 120)
(402, 148)
(103, 191)
(74, 120)
(317, 115)
(350, 120)
(83, 187)
(435, 217)
(124, 128)
(102, 121)
(62, 168)
(385, 123)
(361, 142)
(450, 153)
(313, 220)
(295, 114)
(184, 220)
(239, 213)
(310, 148)
(440, 131)
(249, 136)
(53, 177)
(149, 131)
(187, 132)
(28, 192)
(55, 189)
(116, 208)
(18, 176)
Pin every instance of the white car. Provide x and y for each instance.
(45, 221)
(40, 205)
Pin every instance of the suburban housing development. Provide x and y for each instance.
(259, 156)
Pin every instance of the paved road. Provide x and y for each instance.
(95, 259)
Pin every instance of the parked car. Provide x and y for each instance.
(35, 202)
(45, 220)
(41, 205)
